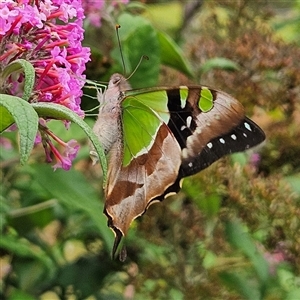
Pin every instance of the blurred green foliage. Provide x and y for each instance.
(233, 231)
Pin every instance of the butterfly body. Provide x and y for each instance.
(108, 125)
(155, 137)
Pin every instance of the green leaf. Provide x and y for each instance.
(242, 240)
(4, 209)
(295, 294)
(57, 111)
(26, 119)
(87, 274)
(138, 38)
(29, 75)
(210, 204)
(219, 63)
(6, 118)
(171, 12)
(24, 249)
(208, 201)
(241, 158)
(20, 295)
(209, 260)
(31, 272)
(241, 284)
(294, 182)
(172, 56)
(288, 281)
(26, 218)
(73, 190)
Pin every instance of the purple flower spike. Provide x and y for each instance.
(48, 34)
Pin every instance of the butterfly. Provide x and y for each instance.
(154, 137)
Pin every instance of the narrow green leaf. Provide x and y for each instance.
(57, 111)
(29, 75)
(242, 240)
(24, 249)
(219, 63)
(26, 218)
(31, 264)
(26, 119)
(72, 189)
(241, 284)
(172, 56)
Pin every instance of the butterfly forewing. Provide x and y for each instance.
(246, 135)
(206, 136)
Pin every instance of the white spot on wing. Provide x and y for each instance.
(244, 134)
(198, 130)
(188, 121)
(209, 145)
(181, 182)
(233, 136)
(185, 153)
(182, 127)
(217, 116)
(247, 126)
(189, 140)
(190, 164)
(169, 194)
(222, 141)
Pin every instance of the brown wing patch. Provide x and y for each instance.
(130, 189)
(225, 115)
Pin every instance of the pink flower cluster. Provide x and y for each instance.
(96, 9)
(48, 34)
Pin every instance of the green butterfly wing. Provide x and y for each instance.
(142, 114)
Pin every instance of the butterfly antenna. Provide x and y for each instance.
(120, 47)
(137, 66)
(118, 26)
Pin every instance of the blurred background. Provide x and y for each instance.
(233, 230)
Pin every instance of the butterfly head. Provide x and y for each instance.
(118, 81)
